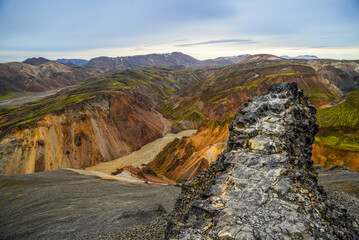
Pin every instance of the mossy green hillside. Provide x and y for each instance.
(153, 83)
(26, 113)
(345, 114)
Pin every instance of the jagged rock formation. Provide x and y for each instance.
(264, 185)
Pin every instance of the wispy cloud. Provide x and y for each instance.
(238, 40)
(319, 46)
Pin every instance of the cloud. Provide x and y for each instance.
(320, 46)
(238, 40)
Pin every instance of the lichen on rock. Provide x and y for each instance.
(264, 185)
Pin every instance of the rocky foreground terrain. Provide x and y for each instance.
(63, 204)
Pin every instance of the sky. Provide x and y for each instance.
(201, 28)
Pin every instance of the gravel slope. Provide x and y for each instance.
(342, 184)
(63, 204)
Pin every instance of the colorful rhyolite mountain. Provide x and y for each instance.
(112, 114)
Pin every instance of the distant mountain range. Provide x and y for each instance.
(49, 74)
(175, 60)
(170, 59)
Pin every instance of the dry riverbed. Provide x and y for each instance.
(143, 156)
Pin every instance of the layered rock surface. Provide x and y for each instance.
(264, 185)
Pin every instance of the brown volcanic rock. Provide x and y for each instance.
(264, 184)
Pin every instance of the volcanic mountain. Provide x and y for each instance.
(112, 114)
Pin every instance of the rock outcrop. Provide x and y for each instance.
(264, 185)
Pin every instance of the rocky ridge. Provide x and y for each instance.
(264, 185)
